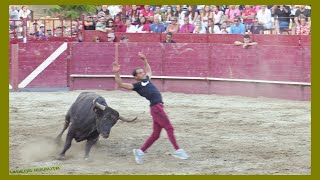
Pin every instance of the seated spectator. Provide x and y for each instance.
(246, 42)
(179, 13)
(103, 8)
(58, 32)
(95, 39)
(168, 15)
(49, 33)
(14, 17)
(110, 25)
(157, 27)
(205, 15)
(192, 14)
(224, 29)
(264, 17)
(281, 15)
(303, 28)
(237, 27)
(101, 24)
(232, 13)
(217, 15)
(133, 15)
(129, 28)
(257, 28)
(305, 14)
(173, 27)
(147, 13)
(157, 12)
(143, 27)
(247, 15)
(186, 27)
(212, 28)
(89, 23)
(41, 32)
(199, 28)
(169, 38)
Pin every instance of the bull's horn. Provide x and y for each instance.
(127, 120)
(100, 106)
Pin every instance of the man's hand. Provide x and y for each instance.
(115, 67)
(142, 56)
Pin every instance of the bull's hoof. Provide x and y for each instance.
(88, 159)
(61, 157)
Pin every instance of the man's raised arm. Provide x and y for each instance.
(116, 70)
(146, 64)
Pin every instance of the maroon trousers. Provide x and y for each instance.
(160, 120)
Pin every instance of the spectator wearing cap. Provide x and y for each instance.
(173, 27)
(247, 15)
(281, 15)
(143, 27)
(156, 26)
(169, 38)
(303, 28)
(246, 42)
(41, 32)
(237, 27)
(257, 28)
(264, 17)
(186, 27)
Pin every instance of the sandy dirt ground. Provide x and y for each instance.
(222, 134)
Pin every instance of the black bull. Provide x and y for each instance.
(88, 117)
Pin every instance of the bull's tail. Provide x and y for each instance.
(66, 125)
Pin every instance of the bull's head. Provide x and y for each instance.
(106, 116)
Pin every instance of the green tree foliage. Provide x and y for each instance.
(71, 11)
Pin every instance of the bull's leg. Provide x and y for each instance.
(90, 142)
(66, 125)
(67, 145)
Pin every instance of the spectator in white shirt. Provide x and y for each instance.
(264, 17)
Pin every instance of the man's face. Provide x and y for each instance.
(128, 23)
(158, 9)
(236, 21)
(168, 37)
(140, 75)
(246, 40)
(110, 37)
(134, 7)
(247, 6)
(147, 7)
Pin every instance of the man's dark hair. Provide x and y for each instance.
(169, 33)
(134, 72)
(246, 36)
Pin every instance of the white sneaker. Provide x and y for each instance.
(138, 154)
(181, 154)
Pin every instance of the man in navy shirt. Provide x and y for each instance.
(144, 87)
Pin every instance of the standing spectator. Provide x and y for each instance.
(247, 15)
(212, 28)
(206, 15)
(118, 23)
(224, 29)
(157, 12)
(217, 15)
(186, 27)
(143, 27)
(114, 10)
(167, 16)
(256, 28)
(24, 13)
(104, 8)
(303, 28)
(129, 28)
(200, 28)
(231, 13)
(237, 27)
(192, 14)
(133, 15)
(281, 15)
(124, 39)
(147, 13)
(179, 13)
(169, 38)
(173, 27)
(301, 11)
(264, 17)
(157, 27)
(14, 17)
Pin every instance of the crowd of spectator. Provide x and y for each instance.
(211, 19)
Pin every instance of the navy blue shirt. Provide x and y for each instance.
(146, 89)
